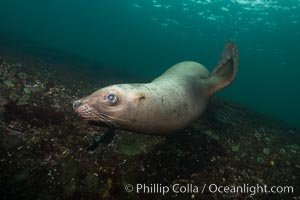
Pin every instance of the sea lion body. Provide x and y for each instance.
(167, 104)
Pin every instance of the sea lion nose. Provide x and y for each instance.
(76, 104)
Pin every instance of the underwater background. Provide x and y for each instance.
(146, 37)
(53, 52)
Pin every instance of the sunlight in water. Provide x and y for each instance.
(253, 2)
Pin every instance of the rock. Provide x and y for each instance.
(266, 151)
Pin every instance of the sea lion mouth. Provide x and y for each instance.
(91, 115)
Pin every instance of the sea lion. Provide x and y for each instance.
(167, 104)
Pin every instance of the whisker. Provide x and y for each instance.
(90, 114)
(92, 111)
(105, 115)
(113, 123)
(107, 121)
(101, 118)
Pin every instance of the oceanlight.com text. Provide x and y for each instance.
(157, 188)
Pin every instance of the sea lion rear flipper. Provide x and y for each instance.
(225, 71)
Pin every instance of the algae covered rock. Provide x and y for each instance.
(234, 148)
(23, 99)
(27, 90)
(9, 83)
(22, 75)
(38, 87)
(260, 160)
(14, 96)
(266, 151)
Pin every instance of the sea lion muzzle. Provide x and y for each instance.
(85, 111)
(92, 116)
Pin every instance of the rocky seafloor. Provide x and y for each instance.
(43, 146)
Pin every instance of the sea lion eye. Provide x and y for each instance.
(112, 98)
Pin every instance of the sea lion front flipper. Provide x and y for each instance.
(98, 139)
(225, 112)
(226, 69)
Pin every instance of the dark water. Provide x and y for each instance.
(147, 37)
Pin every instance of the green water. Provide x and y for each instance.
(145, 37)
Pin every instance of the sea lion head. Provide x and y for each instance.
(111, 106)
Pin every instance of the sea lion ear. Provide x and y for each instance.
(225, 71)
(140, 97)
